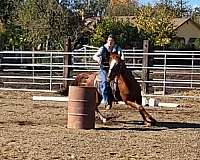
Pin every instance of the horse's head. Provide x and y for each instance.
(115, 64)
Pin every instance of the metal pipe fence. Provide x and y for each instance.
(169, 71)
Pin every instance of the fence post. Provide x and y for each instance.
(145, 64)
(134, 61)
(33, 63)
(191, 78)
(51, 70)
(67, 60)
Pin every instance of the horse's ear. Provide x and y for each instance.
(119, 56)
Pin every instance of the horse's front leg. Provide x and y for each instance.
(100, 115)
(143, 113)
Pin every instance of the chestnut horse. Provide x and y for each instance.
(129, 89)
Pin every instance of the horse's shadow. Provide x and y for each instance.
(177, 125)
(127, 125)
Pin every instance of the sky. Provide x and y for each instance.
(193, 3)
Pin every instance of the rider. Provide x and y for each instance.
(102, 57)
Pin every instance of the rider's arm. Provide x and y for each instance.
(121, 53)
(98, 56)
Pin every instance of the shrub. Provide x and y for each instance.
(124, 32)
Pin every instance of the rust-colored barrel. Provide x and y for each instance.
(81, 107)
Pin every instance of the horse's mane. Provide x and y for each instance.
(127, 72)
(133, 85)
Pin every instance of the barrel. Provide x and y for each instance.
(81, 107)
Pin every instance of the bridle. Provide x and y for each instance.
(114, 69)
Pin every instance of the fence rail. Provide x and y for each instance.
(167, 72)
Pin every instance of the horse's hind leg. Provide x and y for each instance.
(100, 115)
(141, 110)
(143, 113)
(152, 120)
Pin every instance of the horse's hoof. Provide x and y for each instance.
(104, 120)
(148, 124)
(153, 122)
(108, 107)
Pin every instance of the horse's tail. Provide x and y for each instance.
(65, 91)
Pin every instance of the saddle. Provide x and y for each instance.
(113, 88)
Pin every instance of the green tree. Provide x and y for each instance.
(8, 9)
(11, 34)
(154, 23)
(99, 7)
(197, 43)
(91, 7)
(196, 14)
(182, 8)
(123, 9)
(46, 22)
(14, 37)
(179, 7)
(125, 33)
(1, 35)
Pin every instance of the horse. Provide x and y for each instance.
(129, 89)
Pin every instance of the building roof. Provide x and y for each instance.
(178, 22)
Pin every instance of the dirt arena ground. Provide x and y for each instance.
(32, 130)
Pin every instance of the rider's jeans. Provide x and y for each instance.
(104, 85)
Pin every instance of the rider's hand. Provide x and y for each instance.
(99, 61)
